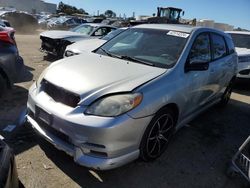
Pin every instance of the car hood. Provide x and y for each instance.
(242, 51)
(87, 45)
(57, 34)
(91, 75)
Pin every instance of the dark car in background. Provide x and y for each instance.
(8, 171)
(11, 64)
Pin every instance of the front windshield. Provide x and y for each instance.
(84, 29)
(154, 47)
(241, 40)
(112, 34)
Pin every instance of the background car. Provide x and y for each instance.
(55, 42)
(4, 23)
(89, 45)
(242, 43)
(8, 171)
(65, 23)
(11, 64)
(127, 98)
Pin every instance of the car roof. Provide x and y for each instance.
(98, 25)
(175, 27)
(239, 32)
(178, 27)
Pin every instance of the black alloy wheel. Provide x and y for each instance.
(157, 135)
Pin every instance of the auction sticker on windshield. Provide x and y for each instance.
(178, 34)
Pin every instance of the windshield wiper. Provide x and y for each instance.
(127, 58)
(136, 60)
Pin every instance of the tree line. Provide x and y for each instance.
(69, 10)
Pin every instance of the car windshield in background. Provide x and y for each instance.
(112, 34)
(83, 29)
(147, 46)
(241, 40)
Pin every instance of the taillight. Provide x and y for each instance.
(7, 36)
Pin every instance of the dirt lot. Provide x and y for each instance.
(198, 156)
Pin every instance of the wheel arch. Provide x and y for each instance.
(5, 76)
(174, 107)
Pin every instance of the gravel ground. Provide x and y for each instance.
(198, 156)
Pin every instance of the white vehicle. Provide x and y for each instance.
(91, 44)
(241, 41)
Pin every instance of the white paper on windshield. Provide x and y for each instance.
(178, 34)
(1, 137)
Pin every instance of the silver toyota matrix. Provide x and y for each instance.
(125, 99)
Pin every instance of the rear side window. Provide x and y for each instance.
(218, 46)
(200, 51)
(230, 46)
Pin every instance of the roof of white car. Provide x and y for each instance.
(239, 32)
(179, 27)
(97, 24)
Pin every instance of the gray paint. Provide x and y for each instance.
(94, 76)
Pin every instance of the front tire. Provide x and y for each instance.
(157, 135)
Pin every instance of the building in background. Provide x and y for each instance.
(213, 24)
(30, 6)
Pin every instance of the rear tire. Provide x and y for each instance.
(157, 135)
(3, 85)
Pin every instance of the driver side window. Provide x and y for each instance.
(200, 51)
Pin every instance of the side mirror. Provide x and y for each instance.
(196, 66)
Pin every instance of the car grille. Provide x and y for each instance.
(59, 94)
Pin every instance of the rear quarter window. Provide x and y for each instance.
(219, 47)
(230, 45)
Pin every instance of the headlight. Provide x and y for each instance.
(69, 53)
(114, 105)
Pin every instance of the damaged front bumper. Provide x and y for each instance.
(96, 142)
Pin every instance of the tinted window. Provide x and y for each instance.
(200, 51)
(102, 31)
(84, 29)
(219, 46)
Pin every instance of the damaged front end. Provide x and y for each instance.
(55, 47)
